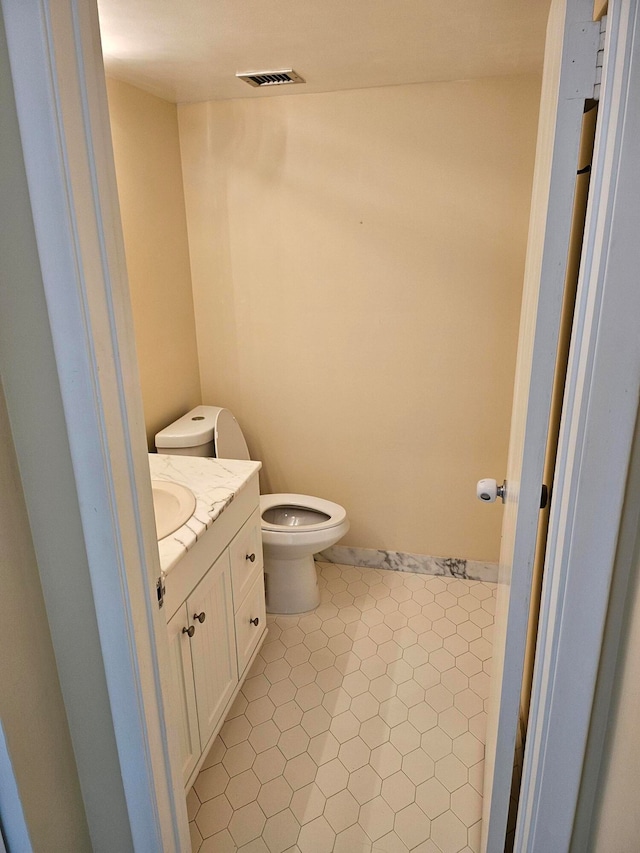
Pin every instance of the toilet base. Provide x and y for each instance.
(291, 585)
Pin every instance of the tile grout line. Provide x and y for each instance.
(361, 725)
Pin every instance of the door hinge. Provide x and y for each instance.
(161, 589)
(600, 58)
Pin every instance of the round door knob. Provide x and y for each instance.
(488, 490)
(190, 631)
(200, 616)
(255, 621)
(250, 557)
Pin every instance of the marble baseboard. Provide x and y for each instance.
(399, 561)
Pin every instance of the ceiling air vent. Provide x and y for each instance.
(270, 78)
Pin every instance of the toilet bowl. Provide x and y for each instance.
(294, 527)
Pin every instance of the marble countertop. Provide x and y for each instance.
(214, 482)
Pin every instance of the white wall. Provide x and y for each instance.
(357, 264)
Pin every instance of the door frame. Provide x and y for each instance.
(568, 81)
(60, 95)
(600, 404)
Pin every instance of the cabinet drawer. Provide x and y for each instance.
(248, 634)
(246, 558)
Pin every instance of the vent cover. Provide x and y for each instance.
(270, 78)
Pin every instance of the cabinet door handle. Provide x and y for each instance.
(200, 616)
(255, 621)
(190, 631)
(250, 557)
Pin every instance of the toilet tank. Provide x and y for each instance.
(204, 431)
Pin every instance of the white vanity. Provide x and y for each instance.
(214, 594)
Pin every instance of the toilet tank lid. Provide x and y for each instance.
(194, 428)
(202, 425)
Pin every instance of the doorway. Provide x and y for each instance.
(493, 163)
(149, 518)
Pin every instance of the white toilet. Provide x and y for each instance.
(294, 527)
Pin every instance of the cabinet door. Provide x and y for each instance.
(251, 620)
(246, 558)
(213, 647)
(182, 693)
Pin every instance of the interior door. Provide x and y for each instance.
(568, 80)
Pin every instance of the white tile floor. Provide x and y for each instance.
(360, 727)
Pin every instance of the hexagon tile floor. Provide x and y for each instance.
(360, 727)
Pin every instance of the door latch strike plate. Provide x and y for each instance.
(544, 496)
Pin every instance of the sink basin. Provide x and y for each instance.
(173, 505)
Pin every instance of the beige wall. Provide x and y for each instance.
(147, 157)
(357, 261)
(31, 707)
(599, 9)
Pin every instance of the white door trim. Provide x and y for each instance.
(598, 421)
(58, 78)
(567, 82)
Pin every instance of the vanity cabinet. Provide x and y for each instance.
(216, 624)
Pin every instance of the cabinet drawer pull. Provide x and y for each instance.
(190, 631)
(255, 621)
(200, 616)
(250, 557)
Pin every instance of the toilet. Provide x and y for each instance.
(294, 527)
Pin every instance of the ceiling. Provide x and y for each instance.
(190, 50)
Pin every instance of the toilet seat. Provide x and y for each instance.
(336, 514)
